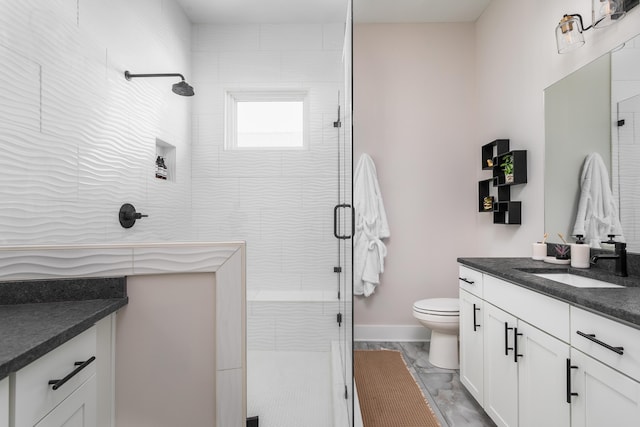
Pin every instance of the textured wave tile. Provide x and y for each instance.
(292, 325)
(306, 331)
(106, 174)
(261, 333)
(239, 163)
(281, 193)
(19, 90)
(151, 260)
(36, 264)
(22, 220)
(35, 167)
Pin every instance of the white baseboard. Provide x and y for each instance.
(391, 333)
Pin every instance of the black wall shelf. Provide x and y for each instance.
(498, 187)
(490, 150)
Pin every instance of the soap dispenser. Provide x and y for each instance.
(580, 253)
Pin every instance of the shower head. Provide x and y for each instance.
(181, 88)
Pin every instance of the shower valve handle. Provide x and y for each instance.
(128, 215)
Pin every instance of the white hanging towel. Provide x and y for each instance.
(371, 226)
(597, 209)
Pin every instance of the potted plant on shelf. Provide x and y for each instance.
(507, 168)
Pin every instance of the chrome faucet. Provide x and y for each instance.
(620, 255)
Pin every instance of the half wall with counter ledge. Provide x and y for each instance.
(182, 333)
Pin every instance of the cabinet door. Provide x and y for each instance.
(605, 397)
(4, 402)
(500, 370)
(471, 348)
(77, 410)
(542, 379)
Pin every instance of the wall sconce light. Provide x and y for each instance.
(604, 12)
(607, 12)
(569, 33)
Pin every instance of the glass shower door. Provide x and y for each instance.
(344, 227)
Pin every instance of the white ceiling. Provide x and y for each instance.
(315, 11)
(407, 11)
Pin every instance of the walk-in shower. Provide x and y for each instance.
(291, 204)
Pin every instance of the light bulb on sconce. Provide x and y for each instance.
(569, 33)
(607, 12)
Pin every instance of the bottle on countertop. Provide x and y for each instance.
(580, 253)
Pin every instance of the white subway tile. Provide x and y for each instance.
(225, 38)
(281, 37)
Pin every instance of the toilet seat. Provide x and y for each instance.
(438, 306)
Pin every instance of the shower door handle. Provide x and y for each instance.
(335, 221)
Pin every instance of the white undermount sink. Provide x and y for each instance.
(577, 281)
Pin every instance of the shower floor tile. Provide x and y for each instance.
(451, 402)
(289, 388)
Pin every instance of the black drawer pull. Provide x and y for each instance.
(464, 279)
(515, 345)
(569, 368)
(592, 337)
(475, 321)
(81, 365)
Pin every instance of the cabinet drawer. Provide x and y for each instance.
(547, 314)
(608, 333)
(34, 396)
(470, 280)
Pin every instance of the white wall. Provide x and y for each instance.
(279, 201)
(414, 113)
(517, 60)
(77, 139)
(490, 77)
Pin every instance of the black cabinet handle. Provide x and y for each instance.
(475, 324)
(592, 337)
(506, 339)
(569, 368)
(81, 365)
(515, 345)
(464, 279)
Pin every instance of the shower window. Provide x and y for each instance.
(266, 119)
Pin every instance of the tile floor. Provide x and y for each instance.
(448, 398)
(284, 392)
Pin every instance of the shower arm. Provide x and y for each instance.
(129, 76)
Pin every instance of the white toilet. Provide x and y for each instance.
(442, 317)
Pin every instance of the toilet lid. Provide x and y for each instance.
(441, 306)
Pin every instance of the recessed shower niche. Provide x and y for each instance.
(165, 161)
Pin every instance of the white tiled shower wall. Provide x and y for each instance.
(76, 139)
(280, 201)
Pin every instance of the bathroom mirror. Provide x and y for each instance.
(593, 110)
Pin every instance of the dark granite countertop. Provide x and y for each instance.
(38, 316)
(621, 304)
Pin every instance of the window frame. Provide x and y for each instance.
(233, 96)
